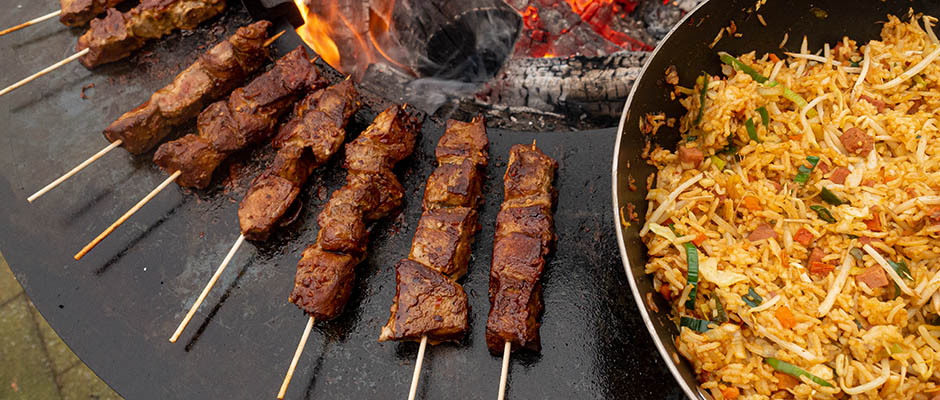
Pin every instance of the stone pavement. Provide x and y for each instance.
(34, 362)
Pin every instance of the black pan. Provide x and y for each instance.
(686, 47)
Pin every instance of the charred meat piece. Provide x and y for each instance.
(80, 12)
(117, 34)
(428, 301)
(215, 74)
(436, 306)
(323, 282)
(248, 117)
(524, 237)
(315, 132)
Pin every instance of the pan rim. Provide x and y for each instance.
(621, 244)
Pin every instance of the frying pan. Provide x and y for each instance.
(687, 47)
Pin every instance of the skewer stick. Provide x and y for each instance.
(202, 296)
(293, 362)
(505, 373)
(75, 170)
(127, 215)
(273, 38)
(417, 374)
(47, 70)
(31, 22)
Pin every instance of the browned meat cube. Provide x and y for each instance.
(268, 199)
(464, 140)
(384, 194)
(514, 315)
(528, 179)
(442, 240)
(389, 139)
(454, 185)
(426, 303)
(534, 221)
(516, 255)
(342, 227)
(323, 282)
(80, 12)
(192, 155)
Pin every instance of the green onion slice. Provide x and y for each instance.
(701, 97)
(830, 197)
(794, 371)
(764, 116)
(751, 130)
(857, 253)
(789, 94)
(691, 255)
(718, 162)
(695, 324)
(721, 316)
(902, 269)
(804, 171)
(823, 213)
(752, 298)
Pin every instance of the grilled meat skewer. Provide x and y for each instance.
(307, 141)
(524, 237)
(215, 74)
(428, 300)
(80, 12)
(118, 34)
(326, 270)
(247, 117)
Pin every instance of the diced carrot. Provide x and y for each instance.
(795, 137)
(665, 291)
(774, 58)
(699, 239)
(874, 224)
(785, 381)
(785, 317)
(730, 393)
(820, 268)
(803, 236)
(752, 203)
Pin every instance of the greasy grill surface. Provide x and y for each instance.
(214, 74)
(428, 300)
(313, 135)
(247, 118)
(325, 272)
(118, 34)
(524, 237)
(79, 12)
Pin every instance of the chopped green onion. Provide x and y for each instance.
(936, 321)
(701, 98)
(691, 138)
(823, 213)
(902, 269)
(695, 324)
(830, 197)
(897, 290)
(856, 63)
(895, 348)
(804, 171)
(794, 371)
(857, 253)
(721, 316)
(859, 325)
(691, 255)
(718, 162)
(920, 81)
(752, 298)
(789, 94)
(764, 116)
(751, 130)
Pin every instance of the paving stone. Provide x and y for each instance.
(25, 371)
(59, 353)
(9, 287)
(80, 383)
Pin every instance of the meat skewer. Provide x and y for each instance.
(118, 34)
(314, 134)
(429, 304)
(248, 117)
(71, 13)
(213, 75)
(326, 270)
(524, 237)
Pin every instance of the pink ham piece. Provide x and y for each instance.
(763, 231)
(874, 277)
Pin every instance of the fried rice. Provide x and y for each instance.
(794, 230)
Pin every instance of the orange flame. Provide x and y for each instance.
(317, 34)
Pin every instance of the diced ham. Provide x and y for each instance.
(803, 236)
(823, 167)
(816, 255)
(820, 268)
(839, 175)
(873, 276)
(763, 231)
(857, 142)
(880, 105)
(665, 291)
(691, 155)
(914, 109)
(776, 185)
(874, 224)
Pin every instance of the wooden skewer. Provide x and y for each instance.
(293, 362)
(75, 170)
(202, 296)
(127, 215)
(273, 38)
(505, 373)
(417, 374)
(47, 70)
(33, 21)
